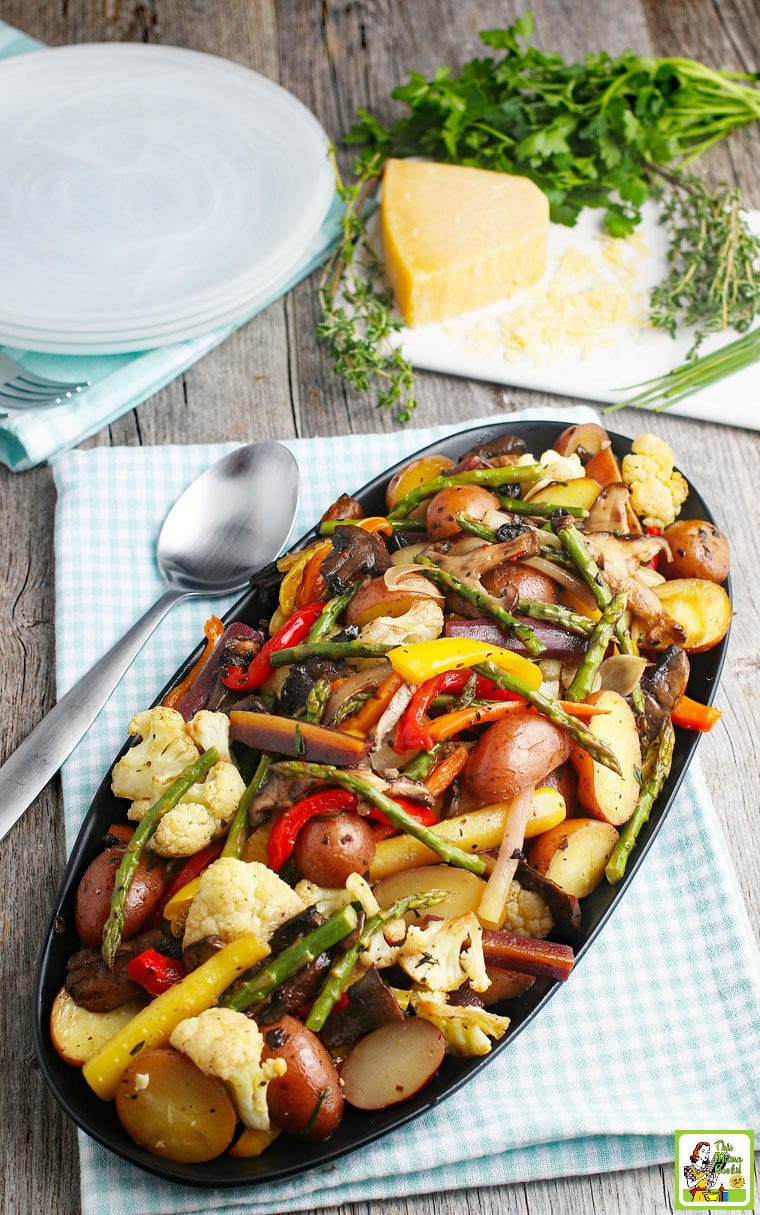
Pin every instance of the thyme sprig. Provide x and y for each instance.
(356, 304)
(714, 258)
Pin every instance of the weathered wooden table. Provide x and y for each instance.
(273, 380)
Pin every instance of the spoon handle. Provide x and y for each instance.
(42, 752)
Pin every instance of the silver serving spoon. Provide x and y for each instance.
(228, 523)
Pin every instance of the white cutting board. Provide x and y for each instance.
(469, 345)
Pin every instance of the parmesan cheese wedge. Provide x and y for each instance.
(456, 238)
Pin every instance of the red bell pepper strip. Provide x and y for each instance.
(413, 734)
(192, 867)
(295, 630)
(423, 814)
(692, 715)
(155, 971)
(282, 837)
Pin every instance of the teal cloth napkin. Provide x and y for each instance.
(120, 382)
(651, 1033)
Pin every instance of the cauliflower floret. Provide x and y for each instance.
(237, 897)
(183, 831)
(228, 1044)
(209, 729)
(219, 793)
(527, 914)
(329, 899)
(657, 491)
(163, 753)
(434, 956)
(466, 1030)
(423, 622)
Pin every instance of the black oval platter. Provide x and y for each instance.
(287, 1156)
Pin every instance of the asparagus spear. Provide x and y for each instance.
(330, 613)
(595, 747)
(422, 765)
(583, 679)
(297, 955)
(327, 649)
(114, 925)
(657, 764)
(238, 833)
(399, 817)
(510, 474)
(485, 602)
(397, 525)
(316, 701)
(540, 510)
(340, 973)
(555, 613)
(573, 543)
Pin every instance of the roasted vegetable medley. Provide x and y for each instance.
(353, 834)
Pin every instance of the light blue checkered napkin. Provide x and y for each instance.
(646, 1036)
(120, 382)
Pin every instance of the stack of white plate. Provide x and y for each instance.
(149, 194)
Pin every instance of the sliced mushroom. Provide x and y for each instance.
(620, 558)
(370, 1005)
(663, 686)
(354, 552)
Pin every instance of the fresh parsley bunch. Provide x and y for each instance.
(589, 134)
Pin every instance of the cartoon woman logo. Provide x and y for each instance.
(700, 1175)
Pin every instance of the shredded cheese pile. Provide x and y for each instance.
(587, 299)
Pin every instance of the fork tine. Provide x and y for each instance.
(14, 393)
(24, 380)
(18, 403)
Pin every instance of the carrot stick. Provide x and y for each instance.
(449, 724)
(692, 715)
(213, 629)
(371, 712)
(446, 771)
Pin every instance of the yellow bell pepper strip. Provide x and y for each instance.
(177, 907)
(292, 632)
(364, 719)
(213, 630)
(252, 1142)
(423, 659)
(154, 1024)
(692, 715)
(292, 580)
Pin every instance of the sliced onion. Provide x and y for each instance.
(371, 677)
(409, 553)
(392, 715)
(411, 578)
(562, 576)
(494, 899)
(622, 673)
(496, 519)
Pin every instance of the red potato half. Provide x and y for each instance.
(392, 1064)
(512, 755)
(376, 599)
(93, 898)
(701, 607)
(463, 890)
(472, 500)
(574, 854)
(587, 438)
(78, 1034)
(414, 474)
(307, 1100)
(601, 792)
(171, 1108)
